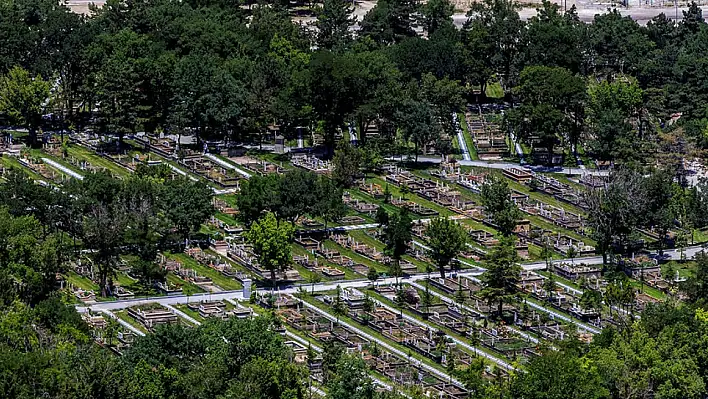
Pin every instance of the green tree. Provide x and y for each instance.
(334, 22)
(397, 236)
(437, 14)
(329, 204)
(271, 243)
(496, 199)
(22, 99)
(188, 204)
(346, 165)
(446, 239)
(258, 195)
(502, 275)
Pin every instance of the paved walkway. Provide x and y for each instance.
(461, 138)
(62, 168)
(228, 165)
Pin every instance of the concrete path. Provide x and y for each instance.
(228, 165)
(123, 323)
(62, 168)
(461, 138)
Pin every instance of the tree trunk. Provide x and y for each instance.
(272, 277)
(501, 308)
(442, 271)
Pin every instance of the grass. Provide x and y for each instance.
(646, 289)
(174, 279)
(82, 282)
(471, 148)
(494, 89)
(97, 161)
(216, 277)
(13, 163)
(349, 274)
(123, 315)
(356, 257)
(189, 312)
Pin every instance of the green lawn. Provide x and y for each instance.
(219, 279)
(123, 315)
(96, 160)
(494, 89)
(174, 279)
(82, 282)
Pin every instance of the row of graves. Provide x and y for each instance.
(186, 274)
(500, 339)
(562, 298)
(540, 323)
(243, 254)
(258, 166)
(118, 341)
(208, 169)
(316, 248)
(216, 261)
(402, 371)
(489, 140)
(558, 190)
(38, 166)
(220, 310)
(312, 163)
(453, 173)
(85, 267)
(431, 190)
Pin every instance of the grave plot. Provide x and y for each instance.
(219, 310)
(556, 215)
(558, 190)
(413, 207)
(561, 298)
(152, 315)
(429, 190)
(45, 171)
(454, 174)
(372, 189)
(559, 242)
(258, 166)
(331, 255)
(216, 258)
(366, 208)
(397, 369)
(108, 332)
(212, 171)
(489, 140)
(165, 146)
(312, 163)
(244, 256)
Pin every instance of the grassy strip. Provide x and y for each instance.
(97, 161)
(123, 315)
(216, 277)
(174, 279)
(649, 290)
(82, 282)
(396, 193)
(13, 163)
(356, 257)
(471, 148)
(189, 312)
(349, 274)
